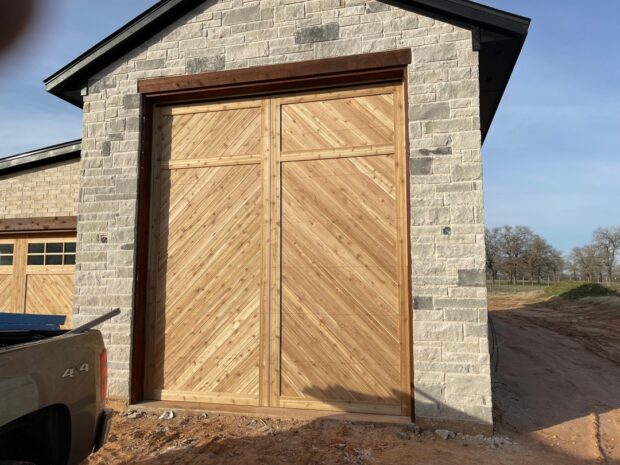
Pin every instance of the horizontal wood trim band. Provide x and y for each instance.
(54, 224)
(287, 71)
(362, 91)
(361, 407)
(210, 108)
(45, 270)
(223, 398)
(346, 152)
(205, 163)
(278, 86)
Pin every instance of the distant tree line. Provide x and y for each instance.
(517, 253)
(597, 260)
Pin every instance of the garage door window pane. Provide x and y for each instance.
(53, 259)
(6, 254)
(69, 247)
(69, 259)
(53, 247)
(6, 249)
(36, 248)
(35, 259)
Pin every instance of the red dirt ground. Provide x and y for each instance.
(556, 391)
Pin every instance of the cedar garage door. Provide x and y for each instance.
(36, 274)
(278, 258)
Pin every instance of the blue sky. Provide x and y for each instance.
(551, 159)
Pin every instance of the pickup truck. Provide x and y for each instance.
(53, 386)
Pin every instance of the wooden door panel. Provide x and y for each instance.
(203, 344)
(208, 299)
(50, 294)
(357, 121)
(320, 200)
(340, 284)
(213, 132)
(9, 286)
(7, 291)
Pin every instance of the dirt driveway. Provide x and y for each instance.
(557, 392)
(558, 377)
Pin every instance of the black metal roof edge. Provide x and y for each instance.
(121, 41)
(478, 15)
(166, 12)
(486, 128)
(43, 156)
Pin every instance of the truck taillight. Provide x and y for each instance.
(103, 359)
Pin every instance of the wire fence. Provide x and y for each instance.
(526, 285)
(507, 286)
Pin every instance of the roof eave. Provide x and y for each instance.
(501, 68)
(44, 156)
(476, 14)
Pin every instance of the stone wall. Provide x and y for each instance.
(50, 190)
(452, 380)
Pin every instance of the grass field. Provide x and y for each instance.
(566, 289)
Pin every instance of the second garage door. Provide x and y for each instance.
(278, 264)
(37, 274)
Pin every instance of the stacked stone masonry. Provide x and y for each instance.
(451, 367)
(50, 190)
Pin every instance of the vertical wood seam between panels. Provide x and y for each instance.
(264, 375)
(275, 272)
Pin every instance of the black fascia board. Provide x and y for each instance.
(491, 93)
(40, 157)
(475, 14)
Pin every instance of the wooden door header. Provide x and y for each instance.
(328, 72)
(52, 224)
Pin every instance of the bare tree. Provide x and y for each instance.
(587, 262)
(558, 264)
(537, 256)
(542, 259)
(573, 267)
(514, 242)
(493, 251)
(607, 241)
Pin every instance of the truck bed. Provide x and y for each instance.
(16, 337)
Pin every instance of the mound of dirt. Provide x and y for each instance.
(609, 300)
(573, 290)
